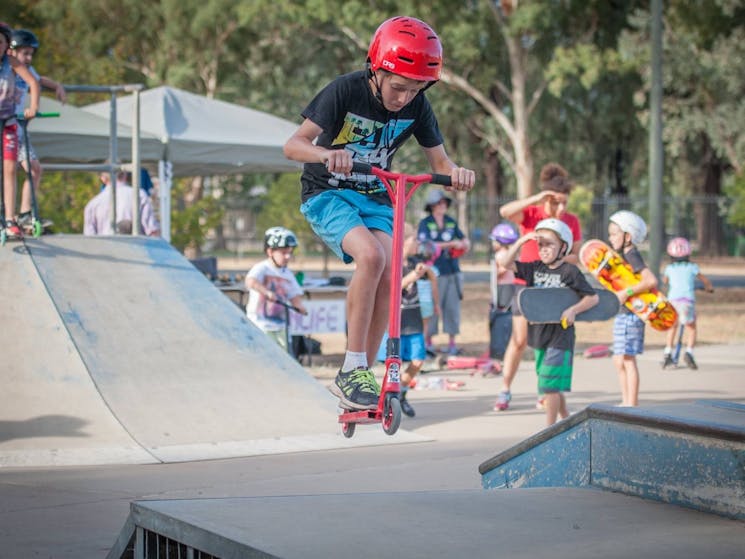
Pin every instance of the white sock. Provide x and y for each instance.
(668, 350)
(354, 359)
(689, 350)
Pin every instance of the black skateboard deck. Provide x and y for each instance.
(545, 304)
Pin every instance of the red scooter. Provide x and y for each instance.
(388, 411)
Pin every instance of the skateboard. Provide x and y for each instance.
(614, 273)
(482, 364)
(546, 304)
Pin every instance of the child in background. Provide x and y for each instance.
(553, 343)
(502, 283)
(412, 323)
(625, 231)
(23, 45)
(271, 283)
(680, 277)
(429, 296)
(10, 68)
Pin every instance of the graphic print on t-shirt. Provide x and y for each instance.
(372, 142)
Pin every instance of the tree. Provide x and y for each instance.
(703, 101)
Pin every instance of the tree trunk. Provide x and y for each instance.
(521, 141)
(710, 223)
(494, 183)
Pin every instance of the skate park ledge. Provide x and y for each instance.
(691, 455)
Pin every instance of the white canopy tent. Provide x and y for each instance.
(202, 136)
(78, 136)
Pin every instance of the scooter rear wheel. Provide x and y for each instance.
(347, 429)
(391, 415)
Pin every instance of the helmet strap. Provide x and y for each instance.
(271, 255)
(377, 93)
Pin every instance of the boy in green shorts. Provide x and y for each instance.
(553, 344)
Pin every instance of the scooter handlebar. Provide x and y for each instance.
(38, 115)
(367, 169)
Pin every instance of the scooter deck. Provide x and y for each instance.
(615, 274)
(546, 305)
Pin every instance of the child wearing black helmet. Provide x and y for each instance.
(271, 283)
(366, 116)
(10, 70)
(23, 46)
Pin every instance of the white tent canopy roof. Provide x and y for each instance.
(82, 137)
(203, 136)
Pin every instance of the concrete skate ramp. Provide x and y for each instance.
(120, 351)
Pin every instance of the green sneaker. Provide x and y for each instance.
(356, 389)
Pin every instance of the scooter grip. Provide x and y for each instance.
(443, 180)
(362, 168)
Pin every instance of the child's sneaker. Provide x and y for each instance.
(668, 362)
(690, 361)
(406, 406)
(357, 389)
(12, 230)
(503, 400)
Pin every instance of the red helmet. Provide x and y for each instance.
(408, 47)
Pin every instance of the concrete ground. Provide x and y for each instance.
(79, 511)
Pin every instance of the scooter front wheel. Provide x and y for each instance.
(391, 415)
(38, 229)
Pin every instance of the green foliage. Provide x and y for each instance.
(63, 196)
(580, 203)
(280, 206)
(190, 223)
(735, 189)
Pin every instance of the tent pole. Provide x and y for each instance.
(165, 177)
(136, 164)
(113, 158)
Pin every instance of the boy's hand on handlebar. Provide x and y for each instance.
(338, 161)
(462, 179)
(29, 113)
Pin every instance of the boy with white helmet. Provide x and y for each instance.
(270, 283)
(553, 344)
(626, 230)
(680, 276)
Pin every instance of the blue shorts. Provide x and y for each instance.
(412, 348)
(334, 213)
(628, 335)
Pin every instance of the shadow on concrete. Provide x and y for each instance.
(43, 426)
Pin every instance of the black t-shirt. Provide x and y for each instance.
(411, 311)
(537, 274)
(635, 260)
(353, 119)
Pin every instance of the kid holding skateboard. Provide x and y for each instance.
(412, 324)
(680, 277)
(23, 45)
(625, 231)
(365, 116)
(10, 69)
(270, 283)
(550, 202)
(553, 343)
